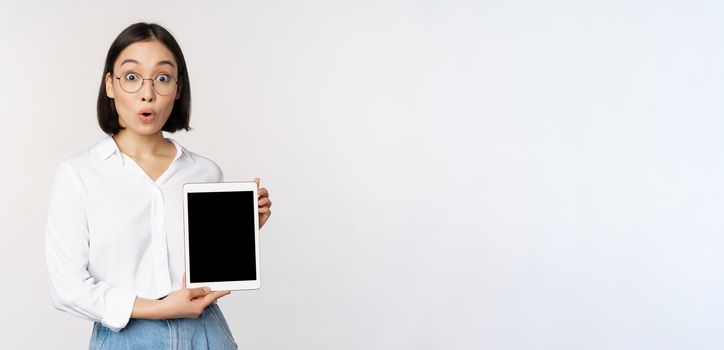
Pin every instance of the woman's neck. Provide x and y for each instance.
(141, 146)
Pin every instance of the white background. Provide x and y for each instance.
(445, 174)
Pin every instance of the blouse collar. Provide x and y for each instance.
(107, 147)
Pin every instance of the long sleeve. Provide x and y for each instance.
(67, 248)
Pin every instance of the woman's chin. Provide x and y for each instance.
(148, 128)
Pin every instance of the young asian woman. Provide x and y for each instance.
(114, 237)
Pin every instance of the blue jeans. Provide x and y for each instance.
(208, 331)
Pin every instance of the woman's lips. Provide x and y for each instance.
(146, 117)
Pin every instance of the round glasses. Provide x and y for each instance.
(163, 83)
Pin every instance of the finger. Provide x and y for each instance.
(263, 192)
(209, 298)
(221, 293)
(264, 210)
(265, 202)
(183, 281)
(198, 292)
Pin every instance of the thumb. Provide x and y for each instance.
(183, 281)
(198, 292)
(209, 298)
(258, 181)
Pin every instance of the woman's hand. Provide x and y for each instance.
(189, 303)
(264, 204)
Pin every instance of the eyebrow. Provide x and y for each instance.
(130, 60)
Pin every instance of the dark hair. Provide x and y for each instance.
(180, 113)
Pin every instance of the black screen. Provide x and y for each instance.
(221, 236)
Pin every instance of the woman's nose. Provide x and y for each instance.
(147, 93)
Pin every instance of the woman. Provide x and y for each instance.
(114, 239)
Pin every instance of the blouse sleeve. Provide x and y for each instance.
(72, 289)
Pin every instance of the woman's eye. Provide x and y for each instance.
(163, 78)
(132, 76)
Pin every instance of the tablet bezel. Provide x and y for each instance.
(222, 187)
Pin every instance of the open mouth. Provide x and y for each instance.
(147, 117)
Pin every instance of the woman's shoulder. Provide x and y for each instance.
(70, 169)
(205, 162)
(202, 162)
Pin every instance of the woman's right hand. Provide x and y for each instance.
(189, 303)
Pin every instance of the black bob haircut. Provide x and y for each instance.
(180, 113)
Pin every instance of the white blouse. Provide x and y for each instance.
(113, 233)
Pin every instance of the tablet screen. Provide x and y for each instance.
(221, 236)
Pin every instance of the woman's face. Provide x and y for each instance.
(145, 111)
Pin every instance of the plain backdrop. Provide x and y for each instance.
(445, 174)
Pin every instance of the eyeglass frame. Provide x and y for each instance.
(143, 81)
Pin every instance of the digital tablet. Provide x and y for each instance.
(221, 222)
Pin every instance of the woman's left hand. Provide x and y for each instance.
(264, 203)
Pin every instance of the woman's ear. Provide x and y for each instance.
(109, 86)
(178, 90)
